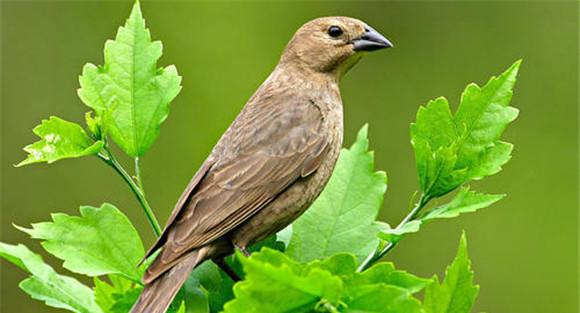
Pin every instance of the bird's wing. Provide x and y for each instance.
(189, 190)
(263, 152)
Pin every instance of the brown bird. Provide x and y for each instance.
(271, 163)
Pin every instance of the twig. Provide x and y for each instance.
(137, 189)
(377, 255)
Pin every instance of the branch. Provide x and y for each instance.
(378, 254)
(137, 189)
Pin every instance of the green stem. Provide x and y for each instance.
(377, 255)
(138, 175)
(137, 189)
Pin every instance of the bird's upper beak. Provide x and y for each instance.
(371, 40)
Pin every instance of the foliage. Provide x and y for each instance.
(60, 140)
(46, 285)
(276, 283)
(326, 261)
(452, 149)
(101, 241)
(457, 292)
(129, 90)
(349, 206)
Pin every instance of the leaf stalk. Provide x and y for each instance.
(136, 187)
(379, 253)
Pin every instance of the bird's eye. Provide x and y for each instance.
(334, 31)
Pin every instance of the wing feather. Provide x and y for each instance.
(263, 152)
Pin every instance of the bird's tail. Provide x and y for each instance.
(157, 295)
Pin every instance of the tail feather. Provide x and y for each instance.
(157, 296)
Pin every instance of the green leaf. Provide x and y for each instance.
(95, 125)
(394, 235)
(182, 308)
(122, 302)
(342, 218)
(483, 115)
(177, 304)
(217, 285)
(452, 149)
(100, 241)
(125, 301)
(434, 138)
(275, 283)
(385, 273)
(130, 87)
(46, 285)
(382, 298)
(59, 139)
(195, 297)
(464, 202)
(457, 292)
(106, 295)
(342, 265)
(492, 160)
(234, 262)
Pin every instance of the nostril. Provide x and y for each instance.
(367, 30)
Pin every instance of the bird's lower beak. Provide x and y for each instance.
(371, 40)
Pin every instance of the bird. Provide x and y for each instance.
(271, 163)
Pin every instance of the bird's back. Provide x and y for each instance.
(287, 130)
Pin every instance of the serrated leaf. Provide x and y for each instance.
(382, 298)
(130, 87)
(100, 241)
(452, 149)
(491, 160)
(106, 294)
(46, 285)
(342, 265)
(483, 115)
(103, 294)
(385, 273)
(275, 283)
(434, 137)
(457, 293)
(59, 139)
(465, 201)
(342, 218)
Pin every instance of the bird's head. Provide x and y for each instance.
(332, 45)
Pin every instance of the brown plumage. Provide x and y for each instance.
(270, 164)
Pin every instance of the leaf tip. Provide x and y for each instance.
(136, 10)
(22, 163)
(512, 72)
(23, 229)
(363, 132)
(462, 249)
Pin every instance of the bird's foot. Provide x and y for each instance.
(242, 250)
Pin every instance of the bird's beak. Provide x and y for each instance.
(371, 40)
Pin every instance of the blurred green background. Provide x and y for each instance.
(524, 249)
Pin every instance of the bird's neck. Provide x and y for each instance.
(299, 77)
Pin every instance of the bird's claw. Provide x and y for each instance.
(242, 250)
